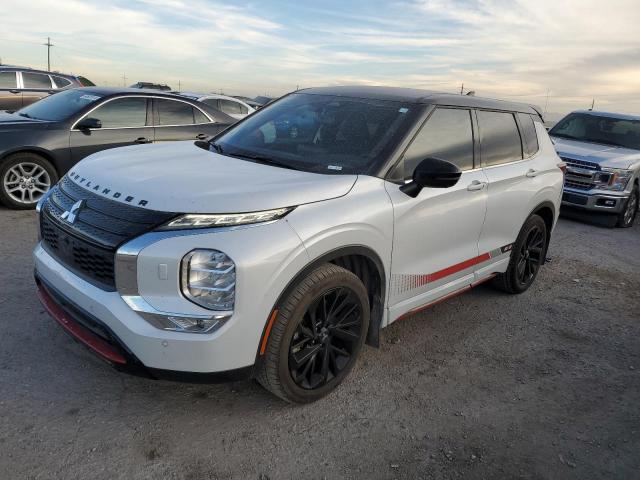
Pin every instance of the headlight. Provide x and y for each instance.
(613, 179)
(208, 279)
(192, 220)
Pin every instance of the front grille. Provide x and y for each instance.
(572, 162)
(88, 245)
(578, 184)
(580, 174)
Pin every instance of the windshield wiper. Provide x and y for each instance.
(26, 115)
(263, 160)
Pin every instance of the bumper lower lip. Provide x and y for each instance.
(595, 201)
(74, 321)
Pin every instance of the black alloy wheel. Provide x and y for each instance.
(530, 255)
(326, 338)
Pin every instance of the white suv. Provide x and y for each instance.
(280, 248)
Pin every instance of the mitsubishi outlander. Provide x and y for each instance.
(283, 245)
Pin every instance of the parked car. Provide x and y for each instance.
(41, 142)
(21, 86)
(263, 101)
(230, 105)
(602, 152)
(249, 101)
(277, 253)
(152, 86)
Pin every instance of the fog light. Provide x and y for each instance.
(208, 279)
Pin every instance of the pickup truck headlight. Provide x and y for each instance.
(192, 220)
(613, 179)
(208, 279)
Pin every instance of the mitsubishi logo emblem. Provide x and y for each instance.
(71, 214)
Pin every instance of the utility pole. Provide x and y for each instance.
(48, 45)
(593, 102)
(124, 80)
(546, 102)
(462, 89)
(179, 86)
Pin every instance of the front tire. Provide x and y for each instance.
(24, 178)
(318, 333)
(628, 214)
(527, 255)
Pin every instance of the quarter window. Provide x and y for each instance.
(174, 113)
(447, 135)
(499, 138)
(212, 102)
(61, 82)
(36, 80)
(122, 112)
(200, 117)
(529, 134)
(8, 80)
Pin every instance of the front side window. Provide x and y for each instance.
(529, 134)
(36, 80)
(122, 112)
(60, 106)
(499, 138)
(321, 133)
(586, 127)
(174, 113)
(8, 80)
(85, 82)
(447, 135)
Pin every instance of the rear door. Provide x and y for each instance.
(435, 238)
(35, 86)
(10, 94)
(508, 165)
(125, 121)
(178, 120)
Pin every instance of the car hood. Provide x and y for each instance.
(183, 178)
(604, 155)
(13, 121)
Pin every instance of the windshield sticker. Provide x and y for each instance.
(403, 110)
(334, 167)
(90, 97)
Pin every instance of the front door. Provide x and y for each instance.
(10, 95)
(178, 120)
(35, 86)
(124, 122)
(435, 240)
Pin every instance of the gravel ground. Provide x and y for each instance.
(541, 385)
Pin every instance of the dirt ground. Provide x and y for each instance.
(541, 385)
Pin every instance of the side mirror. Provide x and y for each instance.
(89, 123)
(434, 173)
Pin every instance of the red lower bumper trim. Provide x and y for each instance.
(77, 331)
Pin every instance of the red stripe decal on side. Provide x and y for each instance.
(458, 267)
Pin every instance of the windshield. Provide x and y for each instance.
(320, 133)
(585, 127)
(59, 106)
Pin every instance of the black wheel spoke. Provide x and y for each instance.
(346, 335)
(301, 358)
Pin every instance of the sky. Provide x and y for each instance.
(558, 54)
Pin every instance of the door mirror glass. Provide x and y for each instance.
(89, 123)
(432, 173)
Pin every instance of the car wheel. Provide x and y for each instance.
(628, 214)
(317, 335)
(527, 255)
(25, 178)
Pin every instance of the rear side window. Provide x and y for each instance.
(122, 112)
(229, 107)
(529, 135)
(200, 117)
(447, 135)
(174, 113)
(36, 80)
(8, 80)
(499, 138)
(212, 102)
(61, 82)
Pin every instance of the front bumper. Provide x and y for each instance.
(597, 202)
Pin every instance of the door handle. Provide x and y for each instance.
(532, 173)
(14, 91)
(476, 185)
(201, 136)
(142, 140)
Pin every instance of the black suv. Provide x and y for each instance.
(21, 86)
(39, 143)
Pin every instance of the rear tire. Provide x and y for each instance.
(317, 335)
(628, 214)
(527, 256)
(24, 178)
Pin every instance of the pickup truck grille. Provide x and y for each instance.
(88, 245)
(580, 175)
